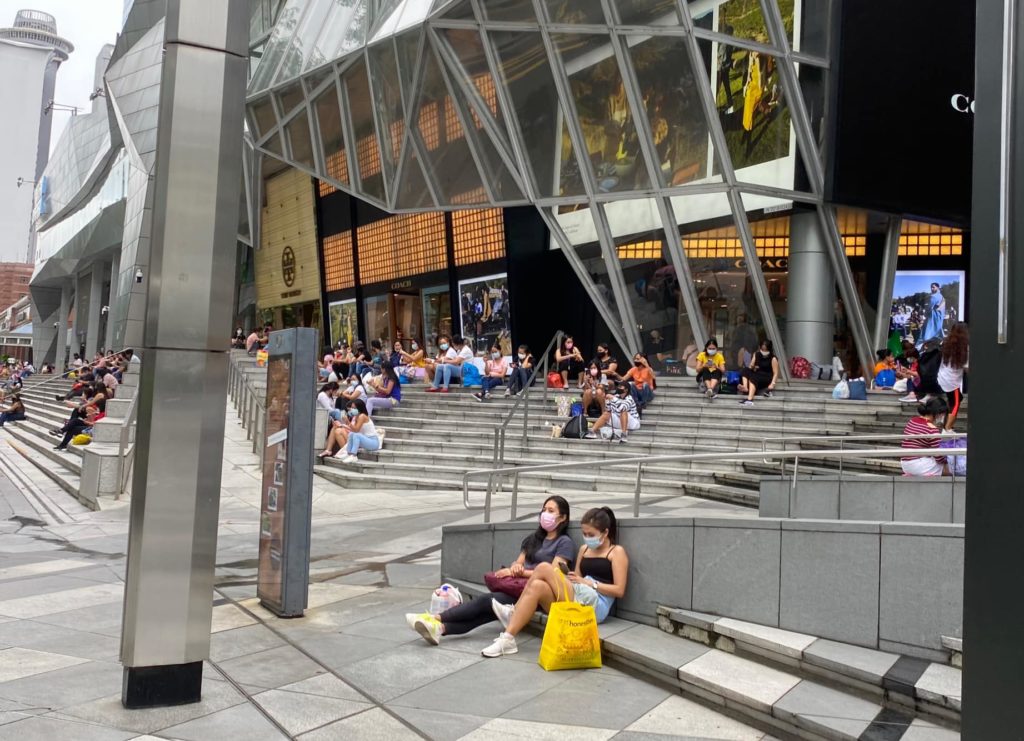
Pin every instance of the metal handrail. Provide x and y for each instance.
(63, 376)
(501, 428)
(641, 461)
(126, 455)
(249, 403)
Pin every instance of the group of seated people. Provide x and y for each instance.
(760, 375)
(255, 341)
(549, 568)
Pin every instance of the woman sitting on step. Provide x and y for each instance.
(362, 432)
(389, 390)
(548, 544)
(15, 411)
(79, 424)
(598, 580)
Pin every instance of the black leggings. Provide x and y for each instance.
(472, 613)
(72, 428)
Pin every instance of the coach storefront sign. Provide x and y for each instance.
(287, 270)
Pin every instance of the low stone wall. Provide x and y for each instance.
(882, 499)
(889, 586)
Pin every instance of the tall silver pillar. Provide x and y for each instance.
(62, 326)
(92, 327)
(172, 538)
(810, 307)
(108, 338)
(81, 309)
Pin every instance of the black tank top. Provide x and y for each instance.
(763, 363)
(597, 567)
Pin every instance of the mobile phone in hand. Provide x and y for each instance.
(564, 567)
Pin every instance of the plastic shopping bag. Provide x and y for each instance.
(444, 598)
(842, 390)
(570, 640)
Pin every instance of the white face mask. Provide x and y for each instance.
(495, 355)
(522, 356)
(766, 353)
(415, 346)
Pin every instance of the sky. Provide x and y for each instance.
(88, 24)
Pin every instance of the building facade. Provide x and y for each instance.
(14, 278)
(31, 52)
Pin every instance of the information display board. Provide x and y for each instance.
(285, 505)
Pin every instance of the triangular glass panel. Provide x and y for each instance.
(344, 29)
(299, 141)
(459, 10)
(408, 48)
(540, 124)
(411, 184)
(575, 11)
(467, 46)
(332, 139)
(367, 145)
(387, 96)
(647, 12)
(604, 114)
(513, 11)
(302, 54)
(443, 140)
(742, 19)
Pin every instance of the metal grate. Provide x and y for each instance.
(478, 235)
(339, 272)
(401, 246)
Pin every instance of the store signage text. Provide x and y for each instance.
(767, 263)
(401, 284)
(962, 103)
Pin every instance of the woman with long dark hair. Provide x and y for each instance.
(598, 580)
(389, 392)
(951, 372)
(549, 543)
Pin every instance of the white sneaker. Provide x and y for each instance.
(429, 628)
(709, 393)
(350, 459)
(504, 645)
(412, 617)
(502, 612)
(909, 398)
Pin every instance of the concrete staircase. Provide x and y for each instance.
(88, 473)
(449, 434)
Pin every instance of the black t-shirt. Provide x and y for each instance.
(763, 363)
(603, 364)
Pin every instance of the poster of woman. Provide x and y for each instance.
(926, 303)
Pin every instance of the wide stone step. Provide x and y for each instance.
(900, 682)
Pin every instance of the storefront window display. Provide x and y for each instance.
(437, 316)
(343, 321)
(378, 319)
(485, 313)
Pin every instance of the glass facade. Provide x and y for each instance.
(663, 150)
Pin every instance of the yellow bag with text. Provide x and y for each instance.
(261, 358)
(570, 640)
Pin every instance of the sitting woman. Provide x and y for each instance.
(325, 400)
(593, 391)
(389, 390)
(761, 375)
(494, 374)
(326, 366)
(641, 380)
(598, 580)
(522, 369)
(79, 424)
(621, 411)
(412, 363)
(362, 433)
(710, 369)
(15, 411)
(930, 416)
(569, 361)
(548, 544)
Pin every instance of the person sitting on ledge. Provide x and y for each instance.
(15, 411)
(569, 361)
(930, 416)
(710, 369)
(494, 374)
(598, 580)
(548, 544)
(449, 366)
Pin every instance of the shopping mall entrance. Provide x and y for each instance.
(410, 313)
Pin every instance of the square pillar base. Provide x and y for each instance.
(161, 686)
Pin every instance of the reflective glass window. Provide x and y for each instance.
(388, 102)
(299, 139)
(456, 9)
(740, 18)
(291, 97)
(301, 54)
(332, 140)
(545, 138)
(413, 191)
(604, 113)
(343, 30)
(672, 103)
(263, 115)
(366, 145)
(647, 12)
(575, 11)
(509, 10)
(815, 24)
(280, 38)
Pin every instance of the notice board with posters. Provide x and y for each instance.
(287, 492)
(901, 137)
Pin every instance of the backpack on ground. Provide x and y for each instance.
(471, 375)
(575, 428)
(800, 367)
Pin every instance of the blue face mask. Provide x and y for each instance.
(443, 345)
(353, 412)
(593, 543)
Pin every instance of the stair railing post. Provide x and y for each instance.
(636, 493)
(515, 496)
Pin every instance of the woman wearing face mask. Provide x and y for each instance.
(641, 380)
(599, 579)
(449, 365)
(522, 369)
(569, 361)
(621, 411)
(761, 375)
(607, 362)
(412, 363)
(389, 390)
(593, 390)
(930, 416)
(548, 544)
(362, 435)
(494, 374)
(710, 369)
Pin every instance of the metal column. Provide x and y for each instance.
(993, 682)
(61, 359)
(810, 318)
(172, 540)
(115, 269)
(92, 325)
(888, 279)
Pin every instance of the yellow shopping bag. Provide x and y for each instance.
(570, 640)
